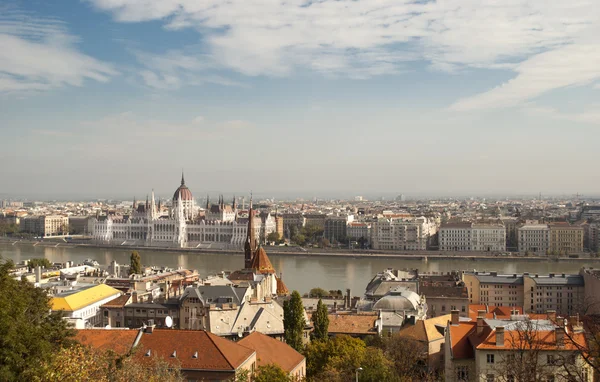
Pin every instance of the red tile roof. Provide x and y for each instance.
(272, 351)
(118, 302)
(120, 341)
(261, 262)
(352, 324)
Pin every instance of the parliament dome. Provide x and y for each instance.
(182, 192)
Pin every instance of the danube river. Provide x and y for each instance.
(299, 272)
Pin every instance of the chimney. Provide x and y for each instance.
(560, 336)
(334, 306)
(500, 336)
(454, 317)
(551, 315)
(348, 298)
(487, 308)
(38, 274)
(480, 318)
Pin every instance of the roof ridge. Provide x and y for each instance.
(219, 348)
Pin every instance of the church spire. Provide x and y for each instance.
(250, 245)
(182, 179)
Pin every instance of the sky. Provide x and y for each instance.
(107, 98)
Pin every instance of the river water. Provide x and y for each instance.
(299, 272)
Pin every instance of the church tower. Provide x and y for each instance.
(250, 246)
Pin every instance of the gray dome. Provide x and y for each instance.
(398, 300)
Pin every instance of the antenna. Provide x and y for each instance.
(168, 321)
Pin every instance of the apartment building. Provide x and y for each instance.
(356, 230)
(534, 238)
(591, 299)
(562, 293)
(336, 227)
(46, 226)
(488, 237)
(316, 220)
(290, 220)
(566, 238)
(472, 237)
(515, 348)
(494, 289)
(413, 234)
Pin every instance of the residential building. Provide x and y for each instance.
(292, 221)
(429, 334)
(562, 293)
(591, 299)
(81, 307)
(488, 237)
(45, 226)
(534, 238)
(359, 230)
(200, 355)
(566, 238)
(456, 237)
(271, 351)
(413, 234)
(494, 289)
(517, 348)
(315, 220)
(336, 227)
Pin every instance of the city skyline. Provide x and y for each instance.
(106, 99)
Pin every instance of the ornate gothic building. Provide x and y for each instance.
(182, 225)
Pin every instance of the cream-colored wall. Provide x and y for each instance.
(299, 371)
(472, 284)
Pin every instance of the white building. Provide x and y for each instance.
(412, 234)
(81, 307)
(534, 238)
(182, 227)
(472, 237)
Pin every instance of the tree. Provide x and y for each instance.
(407, 357)
(318, 292)
(324, 242)
(34, 263)
(135, 267)
(270, 373)
(299, 239)
(29, 333)
(273, 236)
(293, 321)
(83, 364)
(320, 320)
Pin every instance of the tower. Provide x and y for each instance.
(250, 245)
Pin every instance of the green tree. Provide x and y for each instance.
(293, 321)
(271, 373)
(320, 320)
(135, 267)
(335, 359)
(318, 292)
(34, 263)
(273, 236)
(29, 333)
(299, 239)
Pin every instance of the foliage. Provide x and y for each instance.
(338, 358)
(270, 373)
(273, 236)
(135, 267)
(299, 239)
(83, 364)
(320, 321)
(34, 263)
(318, 292)
(29, 333)
(7, 229)
(293, 321)
(324, 242)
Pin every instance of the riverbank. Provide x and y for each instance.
(313, 252)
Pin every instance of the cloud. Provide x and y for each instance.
(361, 39)
(590, 115)
(38, 54)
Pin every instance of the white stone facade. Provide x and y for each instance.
(534, 238)
(411, 234)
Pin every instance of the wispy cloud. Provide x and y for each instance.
(38, 54)
(590, 115)
(361, 39)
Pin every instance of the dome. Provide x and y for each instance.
(398, 300)
(182, 192)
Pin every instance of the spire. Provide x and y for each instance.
(250, 245)
(153, 206)
(147, 203)
(182, 179)
(134, 202)
(233, 206)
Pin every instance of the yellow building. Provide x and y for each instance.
(566, 238)
(82, 306)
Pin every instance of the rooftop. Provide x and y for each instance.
(271, 351)
(76, 299)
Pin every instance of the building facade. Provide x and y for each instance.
(411, 234)
(566, 238)
(472, 237)
(534, 238)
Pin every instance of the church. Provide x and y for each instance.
(182, 224)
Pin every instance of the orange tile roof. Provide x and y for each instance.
(540, 340)
(282, 289)
(352, 324)
(213, 352)
(459, 337)
(426, 330)
(272, 351)
(261, 262)
(118, 302)
(500, 311)
(120, 341)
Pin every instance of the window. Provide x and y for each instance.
(489, 378)
(550, 359)
(490, 358)
(462, 373)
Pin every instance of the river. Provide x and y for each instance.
(299, 272)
